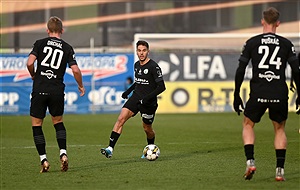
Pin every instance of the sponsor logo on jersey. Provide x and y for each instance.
(269, 76)
(141, 81)
(158, 71)
(264, 100)
(49, 74)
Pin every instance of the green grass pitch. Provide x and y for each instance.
(198, 151)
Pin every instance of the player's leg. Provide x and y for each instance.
(56, 109)
(124, 115)
(278, 113)
(150, 133)
(148, 115)
(61, 138)
(280, 143)
(249, 139)
(129, 109)
(253, 112)
(38, 108)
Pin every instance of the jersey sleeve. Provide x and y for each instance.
(157, 74)
(292, 53)
(35, 49)
(246, 53)
(71, 57)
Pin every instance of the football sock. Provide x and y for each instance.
(151, 141)
(280, 156)
(61, 135)
(62, 152)
(249, 151)
(39, 139)
(114, 136)
(43, 158)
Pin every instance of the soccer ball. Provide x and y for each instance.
(151, 152)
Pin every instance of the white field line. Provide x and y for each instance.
(100, 145)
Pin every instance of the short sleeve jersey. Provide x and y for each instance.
(53, 56)
(146, 77)
(269, 54)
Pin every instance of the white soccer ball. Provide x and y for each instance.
(151, 152)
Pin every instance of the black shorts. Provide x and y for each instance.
(256, 107)
(41, 101)
(134, 105)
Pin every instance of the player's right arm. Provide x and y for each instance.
(128, 91)
(239, 78)
(30, 65)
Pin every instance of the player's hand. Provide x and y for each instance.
(237, 104)
(81, 90)
(298, 105)
(124, 95)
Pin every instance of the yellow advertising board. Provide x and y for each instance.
(213, 96)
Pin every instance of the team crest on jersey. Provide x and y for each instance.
(140, 72)
(146, 71)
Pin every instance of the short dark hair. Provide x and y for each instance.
(142, 42)
(271, 15)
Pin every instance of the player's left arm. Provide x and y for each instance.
(160, 84)
(78, 77)
(30, 65)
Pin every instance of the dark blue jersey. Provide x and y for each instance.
(53, 56)
(269, 54)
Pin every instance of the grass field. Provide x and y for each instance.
(198, 151)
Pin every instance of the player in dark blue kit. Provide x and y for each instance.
(269, 54)
(147, 86)
(52, 55)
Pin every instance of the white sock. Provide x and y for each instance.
(42, 157)
(62, 151)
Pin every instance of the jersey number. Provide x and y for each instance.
(57, 54)
(265, 51)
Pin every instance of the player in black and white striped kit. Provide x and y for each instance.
(53, 55)
(148, 84)
(269, 54)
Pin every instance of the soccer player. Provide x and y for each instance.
(269, 54)
(52, 55)
(148, 84)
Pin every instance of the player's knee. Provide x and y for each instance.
(148, 119)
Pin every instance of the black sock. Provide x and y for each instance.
(249, 151)
(39, 139)
(151, 141)
(61, 135)
(114, 136)
(280, 156)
